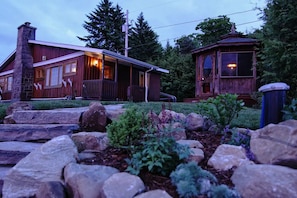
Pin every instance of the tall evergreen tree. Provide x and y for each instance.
(104, 26)
(279, 39)
(213, 29)
(143, 41)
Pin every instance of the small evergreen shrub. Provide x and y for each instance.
(222, 109)
(128, 129)
(191, 181)
(222, 191)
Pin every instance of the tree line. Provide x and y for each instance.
(276, 59)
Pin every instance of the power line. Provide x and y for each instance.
(182, 23)
(236, 26)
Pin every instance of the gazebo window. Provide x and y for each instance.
(207, 66)
(237, 64)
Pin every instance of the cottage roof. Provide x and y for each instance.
(93, 50)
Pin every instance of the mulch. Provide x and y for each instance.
(116, 158)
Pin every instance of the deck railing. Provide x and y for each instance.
(100, 89)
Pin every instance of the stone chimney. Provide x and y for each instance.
(23, 75)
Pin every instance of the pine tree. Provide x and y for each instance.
(104, 26)
(143, 41)
(279, 53)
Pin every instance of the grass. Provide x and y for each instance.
(247, 118)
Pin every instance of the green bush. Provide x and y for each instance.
(128, 129)
(290, 110)
(158, 155)
(222, 109)
(191, 181)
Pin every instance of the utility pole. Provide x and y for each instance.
(125, 29)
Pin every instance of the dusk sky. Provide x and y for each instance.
(60, 21)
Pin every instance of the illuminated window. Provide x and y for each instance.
(108, 72)
(54, 76)
(70, 68)
(237, 64)
(141, 79)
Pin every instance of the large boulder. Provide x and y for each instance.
(122, 185)
(95, 118)
(194, 122)
(11, 152)
(51, 189)
(95, 141)
(35, 132)
(228, 156)
(276, 144)
(265, 181)
(86, 181)
(42, 165)
(167, 116)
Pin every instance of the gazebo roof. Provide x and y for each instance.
(232, 39)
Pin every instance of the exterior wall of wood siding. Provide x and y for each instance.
(61, 91)
(48, 52)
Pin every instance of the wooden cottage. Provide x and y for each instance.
(227, 66)
(38, 69)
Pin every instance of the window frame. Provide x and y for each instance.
(72, 68)
(49, 76)
(238, 66)
(6, 83)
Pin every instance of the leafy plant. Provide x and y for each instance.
(158, 155)
(290, 111)
(191, 181)
(128, 129)
(222, 109)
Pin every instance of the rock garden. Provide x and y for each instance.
(111, 151)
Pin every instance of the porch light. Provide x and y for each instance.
(232, 65)
(95, 63)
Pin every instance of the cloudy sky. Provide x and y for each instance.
(61, 21)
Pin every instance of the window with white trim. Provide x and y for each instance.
(70, 68)
(54, 76)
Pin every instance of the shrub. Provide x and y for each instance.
(158, 155)
(222, 109)
(128, 129)
(222, 191)
(290, 110)
(191, 181)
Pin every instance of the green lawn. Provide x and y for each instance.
(248, 118)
